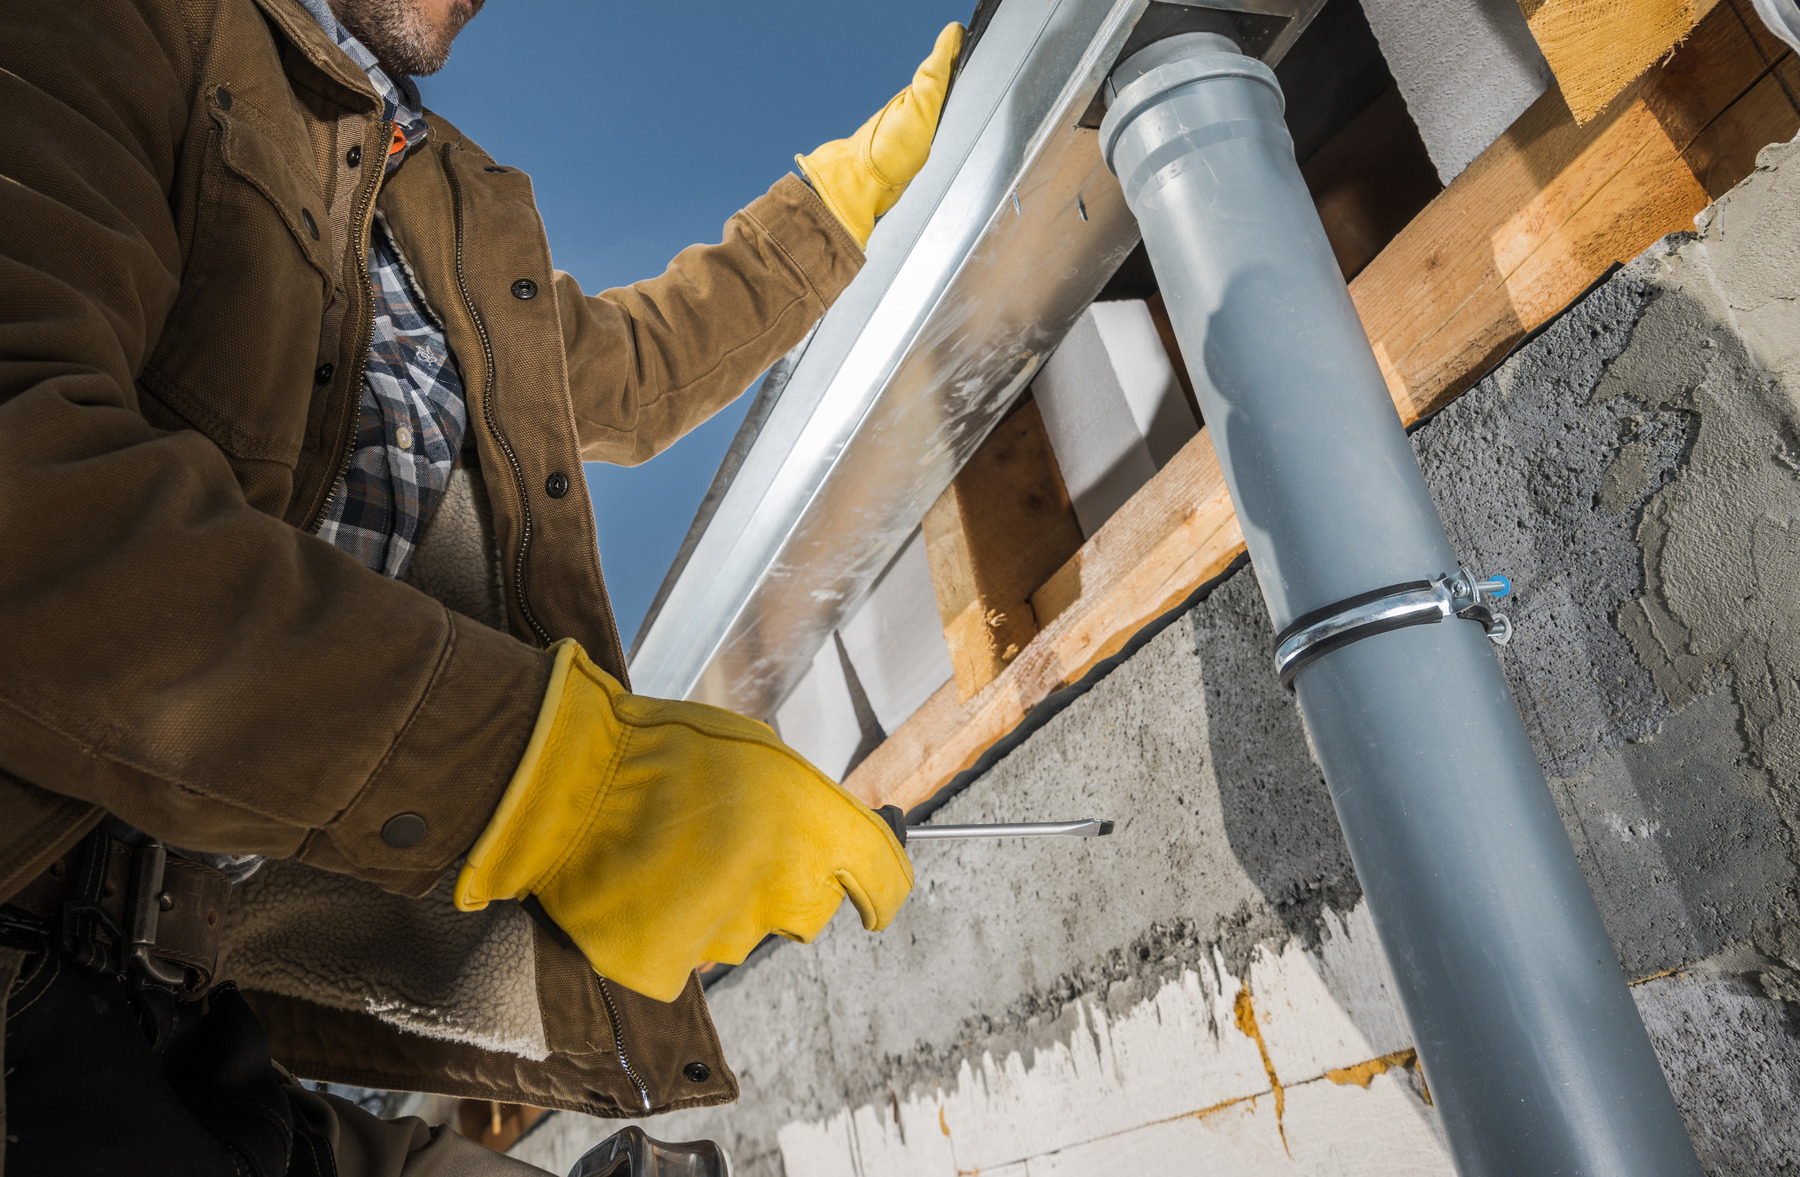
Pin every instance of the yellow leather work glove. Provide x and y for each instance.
(861, 177)
(660, 834)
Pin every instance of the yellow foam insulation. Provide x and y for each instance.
(1245, 1015)
(1362, 1074)
(1598, 47)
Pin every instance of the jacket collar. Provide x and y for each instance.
(399, 93)
(298, 25)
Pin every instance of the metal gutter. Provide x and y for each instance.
(762, 403)
(972, 280)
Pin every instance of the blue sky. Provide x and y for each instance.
(644, 126)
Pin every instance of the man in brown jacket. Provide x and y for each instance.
(316, 739)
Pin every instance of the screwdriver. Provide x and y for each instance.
(1090, 827)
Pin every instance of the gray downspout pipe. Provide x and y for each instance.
(1533, 1049)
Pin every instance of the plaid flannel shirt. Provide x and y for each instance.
(414, 410)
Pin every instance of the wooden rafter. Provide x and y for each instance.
(1002, 528)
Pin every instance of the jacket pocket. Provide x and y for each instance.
(237, 353)
(251, 153)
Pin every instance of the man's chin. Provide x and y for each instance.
(402, 36)
(461, 13)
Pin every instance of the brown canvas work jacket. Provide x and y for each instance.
(186, 194)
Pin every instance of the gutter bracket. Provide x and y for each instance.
(1313, 635)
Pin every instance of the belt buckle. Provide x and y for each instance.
(147, 901)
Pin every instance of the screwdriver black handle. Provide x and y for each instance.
(896, 820)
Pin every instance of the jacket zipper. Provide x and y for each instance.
(612, 1013)
(487, 416)
(366, 337)
(487, 413)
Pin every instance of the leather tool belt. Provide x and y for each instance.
(136, 909)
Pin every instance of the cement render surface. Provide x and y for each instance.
(1636, 470)
(1550, 470)
(1739, 1054)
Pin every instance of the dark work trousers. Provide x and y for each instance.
(107, 1074)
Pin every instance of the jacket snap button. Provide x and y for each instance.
(403, 831)
(312, 226)
(557, 485)
(524, 288)
(322, 374)
(224, 97)
(697, 1072)
(353, 157)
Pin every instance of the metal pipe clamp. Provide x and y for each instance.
(1313, 635)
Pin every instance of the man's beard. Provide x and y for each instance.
(401, 36)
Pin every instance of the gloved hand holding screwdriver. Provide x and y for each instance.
(661, 834)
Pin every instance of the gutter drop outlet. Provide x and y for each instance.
(1530, 1041)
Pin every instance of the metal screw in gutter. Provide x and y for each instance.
(1530, 1041)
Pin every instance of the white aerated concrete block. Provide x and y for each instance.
(1467, 69)
(818, 719)
(1112, 407)
(1172, 1083)
(1146, 376)
(819, 1150)
(896, 639)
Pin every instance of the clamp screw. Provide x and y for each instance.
(1502, 631)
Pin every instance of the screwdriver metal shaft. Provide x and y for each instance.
(1091, 827)
(1087, 827)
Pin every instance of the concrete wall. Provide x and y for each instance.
(1203, 992)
